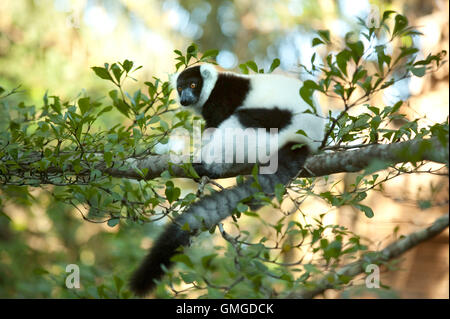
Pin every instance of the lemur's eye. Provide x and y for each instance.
(179, 89)
(193, 85)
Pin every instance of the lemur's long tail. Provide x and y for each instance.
(208, 212)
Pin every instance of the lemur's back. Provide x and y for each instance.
(269, 91)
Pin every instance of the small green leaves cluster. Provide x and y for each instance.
(63, 143)
(350, 75)
(355, 73)
(192, 56)
(252, 66)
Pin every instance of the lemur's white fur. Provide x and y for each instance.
(266, 91)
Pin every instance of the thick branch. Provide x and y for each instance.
(392, 251)
(318, 165)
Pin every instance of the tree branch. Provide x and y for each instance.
(392, 251)
(317, 165)
(326, 163)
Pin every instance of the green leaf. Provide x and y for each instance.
(118, 283)
(113, 222)
(40, 271)
(105, 110)
(302, 132)
(382, 57)
(84, 104)
(317, 41)
(280, 190)
(251, 214)
(356, 49)
(116, 71)
(386, 15)
(210, 53)
(191, 52)
(107, 156)
(418, 71)
(188, 277)
(342, 58)
(244, 68)
(306, 92)
(56, 105)
(366, 209)
(401, 22)
(359, 74)
(325, 35)
(164, 125)
(310, 268)
(154, 119)
(333, 249)
(172, 192)
(424, 204)
(259, 265)
(430, 58)
(275, 64)
(127, 65)
(192, 49)
(367, 84)
(406, 51)
(183, 259)
(388, 83)
(252, 65)
(339, 89)
(344, 279)
(255, 171)
(120, 105)
(186, 227)
(102, 73)
(207, 260)
(191, 171)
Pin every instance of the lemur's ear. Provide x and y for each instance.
(207, 70)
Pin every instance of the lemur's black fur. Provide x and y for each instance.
(274, 118)
(228, 94)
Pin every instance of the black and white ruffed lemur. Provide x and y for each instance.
(228, 101)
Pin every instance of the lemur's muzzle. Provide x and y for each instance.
(187, 97)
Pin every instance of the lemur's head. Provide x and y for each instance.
(194, 85)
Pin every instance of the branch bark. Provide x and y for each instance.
(392, 251)
(317, 165)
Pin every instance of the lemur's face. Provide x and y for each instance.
(189, 86)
